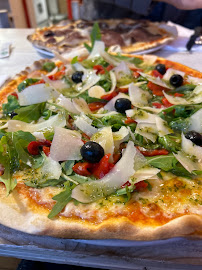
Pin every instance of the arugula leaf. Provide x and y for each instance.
(8, 161)
(79, 178)
(30, 113)
(48, 66)
(183, 89)
(95, 35)
(169, 143)
(165, 163)
(89, 99)
(11, 105)
(74, 60)
(180, 124)
(26, 83)
(137, 61)
(38, 183)
(67, 166)
(62, 199)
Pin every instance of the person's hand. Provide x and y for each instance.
(184, 4)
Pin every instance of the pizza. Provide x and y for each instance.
(123, 35)
(102, 146)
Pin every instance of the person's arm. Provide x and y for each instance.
(183, 4)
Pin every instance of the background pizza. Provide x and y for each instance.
(129, 35)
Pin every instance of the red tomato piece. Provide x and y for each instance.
(136, 74)
(103, 167)
(33, 147)
(155, 73)
(140, 186)
(157, 105)
(110, 67)
(94, 106)
(14, 94)
(109, 96)
(99, 69)
(46, 150)
(178, 95)
(129, 121)
(39, 82)
(82, 168)
(166, 103)
(155, 152)
(123, 90)
(157, 89)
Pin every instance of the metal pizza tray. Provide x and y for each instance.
(175, 253)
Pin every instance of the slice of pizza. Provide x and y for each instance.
(123, 35)
(102, 146)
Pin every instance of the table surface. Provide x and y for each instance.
(177, 254)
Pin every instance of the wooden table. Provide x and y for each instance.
(168, 254)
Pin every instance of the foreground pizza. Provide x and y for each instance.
(103, 147)
(126, 35)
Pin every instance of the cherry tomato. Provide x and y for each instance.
(81, 168)
(33, 147)
(157, 89)
(166, 103)
(109, 96)
(46, 150)
(155, 152)
(94, 106)
(103, 167)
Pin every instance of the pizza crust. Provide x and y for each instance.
(18, 212)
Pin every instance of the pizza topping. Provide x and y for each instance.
(161, 68)
(176, 80)
(138, 96)
(195, 137)
(77, 76)
(190, 148)
(122, 104)
(34, 147)
(66, 145)
(48, 66)
(92, 152)
(35, 94)
(93, 190)
(196, 121)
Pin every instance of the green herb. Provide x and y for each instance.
(183, 89)
(149, 186)
(180, 124)
(136, 61)
(26, 83)
(90, 63)
(67, 166)
(62, 199)
(165, 163)
(41, 183)
(74, 60)
(170, 143)
(95, 35)
(47, 114)
(11, 105)
(30, 113)
(48, 66)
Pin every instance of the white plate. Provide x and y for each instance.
(44, 52)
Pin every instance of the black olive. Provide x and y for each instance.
(161, 68)
(176, 80)
(12, 114)
(122, 104)
(92, 152)
(77, 76)
(195, 137)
